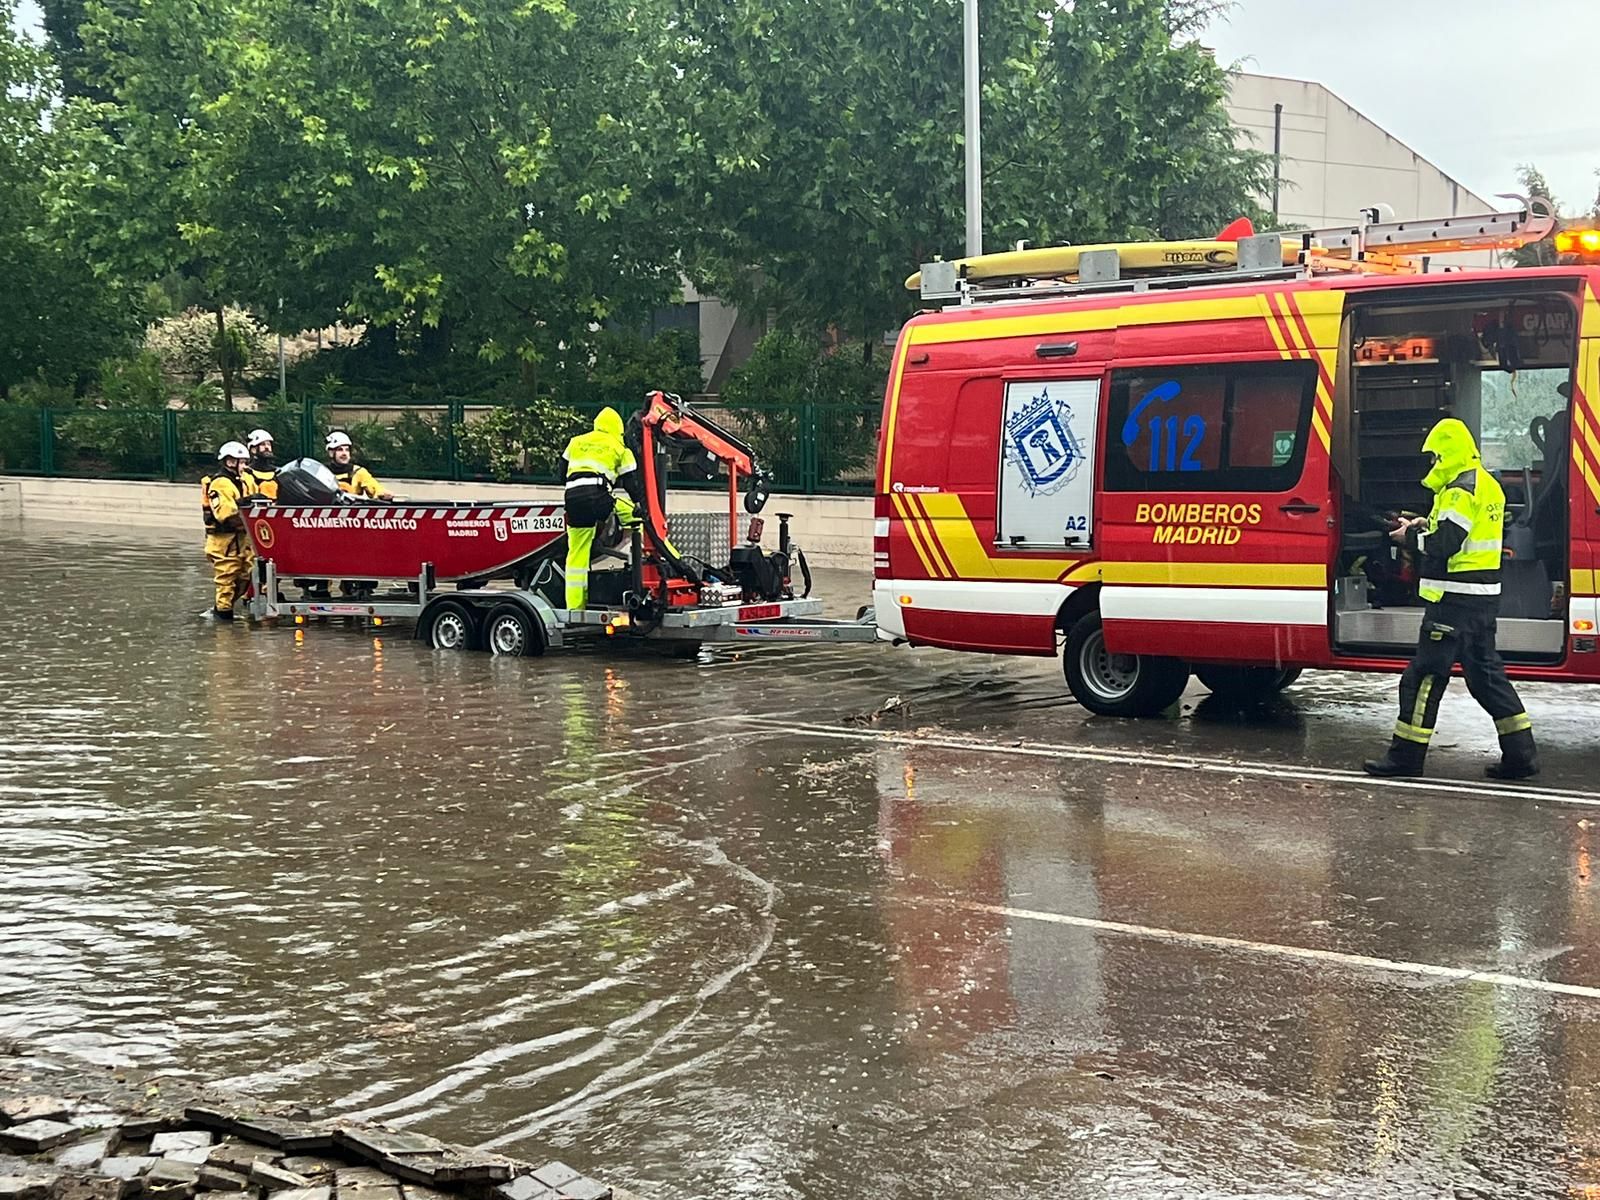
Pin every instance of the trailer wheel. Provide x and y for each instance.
(1118, 685)
(452, 626)
(510, 633)
(1245, 683)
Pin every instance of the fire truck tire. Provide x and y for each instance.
(452, 626)
(1245, 683)
(510, 632)
(1119, 685)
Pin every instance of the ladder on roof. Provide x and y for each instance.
(1370, 246)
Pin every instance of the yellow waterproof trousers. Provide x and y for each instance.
(580, 549)
(230, 560)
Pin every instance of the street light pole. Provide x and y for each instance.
(974, 151)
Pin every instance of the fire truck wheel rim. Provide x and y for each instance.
(507, 637)
(1111, 676)
(450, 631)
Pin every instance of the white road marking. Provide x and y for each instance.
(1215, 941)
(1186, 762)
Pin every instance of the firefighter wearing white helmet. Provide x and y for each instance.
(227, 545)
(260, 475)
(352, 477)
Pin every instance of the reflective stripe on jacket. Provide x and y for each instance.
(1464, 537)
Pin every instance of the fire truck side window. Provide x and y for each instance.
(1225, 427)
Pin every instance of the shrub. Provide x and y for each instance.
(792, 392)
(519, 440)
(187, 345)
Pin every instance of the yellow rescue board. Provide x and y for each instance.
(1060, 262)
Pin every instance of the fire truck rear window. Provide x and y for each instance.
(1228, 427)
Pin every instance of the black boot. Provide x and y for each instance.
(1404, 758)
(1518, 757)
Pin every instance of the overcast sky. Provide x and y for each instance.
(1477, 87)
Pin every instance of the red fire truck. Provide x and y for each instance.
(1185, 458)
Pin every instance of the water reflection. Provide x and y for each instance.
(574, 906)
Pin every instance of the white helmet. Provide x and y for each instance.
(257, 436)
(232, 450)
(336, 439)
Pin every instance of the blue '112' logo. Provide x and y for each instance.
(1166, 432)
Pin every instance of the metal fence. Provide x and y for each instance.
(807, 449)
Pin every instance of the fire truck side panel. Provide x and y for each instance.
(952, 580)
(1218, 504)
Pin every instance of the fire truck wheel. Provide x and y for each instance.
(1119, 685)
(510, 633)
(1245, 683)
(452, 627)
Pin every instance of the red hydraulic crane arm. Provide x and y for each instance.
(667, 422)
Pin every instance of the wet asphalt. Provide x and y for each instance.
(791, 921)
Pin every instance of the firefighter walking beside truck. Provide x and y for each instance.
(1460, 547)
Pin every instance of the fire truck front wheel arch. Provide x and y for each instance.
(1118, 685)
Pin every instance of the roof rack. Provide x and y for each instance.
(1371, 246)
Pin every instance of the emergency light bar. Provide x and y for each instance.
(1582, 242)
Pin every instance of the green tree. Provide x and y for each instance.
(1543, 252)
(828, 140)
(58, 318)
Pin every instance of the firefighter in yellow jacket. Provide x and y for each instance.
(227, 544)
(1459, 544)
(260, 474)
(352, 477)
(597, 463)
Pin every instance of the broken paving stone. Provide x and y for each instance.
(292, 1137)
(220, 1179)
(126, 1167)
(19, 1110)
(383, 1143)
(32, 1137)
(28, 1186)
(276, 1179)
(189, 1139)
(554, 1174)
(416, 1191)
(525, 1187)
(310, 1165)
(195, 1155)
(351, 1178)
(95, 1120)
(87, 1189)
(82, 1155)
(238, 1156)
(310, 1193)
(583, 1188)
(168, 1176)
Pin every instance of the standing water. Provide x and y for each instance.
(704, 929)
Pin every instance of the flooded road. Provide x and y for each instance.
(714, 929)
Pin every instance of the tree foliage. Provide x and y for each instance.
(57, 317)
(507, 179)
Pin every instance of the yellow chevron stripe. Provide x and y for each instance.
(969, 558)
(1273, 327)
(1090, 321)
(1290, 327)
(930, 531)
(915, 535)
(1320, 428)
